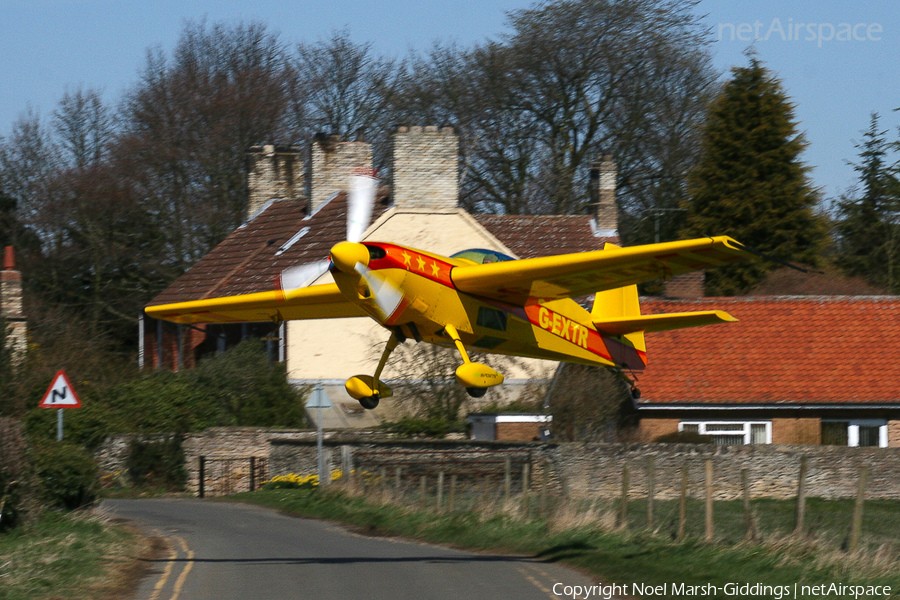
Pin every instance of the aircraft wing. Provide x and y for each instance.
(314, 302)
(573, 275)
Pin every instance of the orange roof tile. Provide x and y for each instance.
(784, 350)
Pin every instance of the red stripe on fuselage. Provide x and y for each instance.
(422, 265)
(567, 329)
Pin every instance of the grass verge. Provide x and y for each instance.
(613, 557)
(71, 556)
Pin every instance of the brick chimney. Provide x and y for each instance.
(11, 306)
(425, 174)
(602, 191)
(333, 161)
(273, 172)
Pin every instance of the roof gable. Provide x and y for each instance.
(784, 350)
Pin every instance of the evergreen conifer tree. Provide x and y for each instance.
(868, 225)
(750, 183)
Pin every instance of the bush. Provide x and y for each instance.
(409, 427)
(239, 388)
(683, 437)
(67, 475)
(17, 493)
(157, 464)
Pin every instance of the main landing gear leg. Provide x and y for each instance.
(475, 377)
(369, 390)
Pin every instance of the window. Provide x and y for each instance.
(731, 433)
(482, 256)
(491, 318)
(856, 432)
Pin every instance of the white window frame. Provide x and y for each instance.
(853, 426)
(701, 426)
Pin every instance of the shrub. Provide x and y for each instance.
(409, 427)
(157, 463)
(67, 475)
(17, 493)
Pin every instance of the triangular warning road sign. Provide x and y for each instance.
(60, 394)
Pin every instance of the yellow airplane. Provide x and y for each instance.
(478, 299)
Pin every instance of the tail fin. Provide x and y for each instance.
(616, 306)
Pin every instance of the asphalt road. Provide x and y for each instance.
(227, 551)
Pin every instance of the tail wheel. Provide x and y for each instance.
(476, 392)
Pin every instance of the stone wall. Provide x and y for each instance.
(578, 470)
(596, 469)
(217, 443)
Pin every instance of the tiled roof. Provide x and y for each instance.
(544, 235)
(251, 258)
(784, 350)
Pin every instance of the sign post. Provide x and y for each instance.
(319, 400)
(60, 395)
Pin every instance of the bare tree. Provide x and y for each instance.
(28, 159)
(190, 121)
(573, 79)
(84, 127)
(346, 89)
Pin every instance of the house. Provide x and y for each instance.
(794, 370)
(287, 226)
(509, 427)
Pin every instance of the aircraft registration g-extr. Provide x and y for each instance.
(478, 299)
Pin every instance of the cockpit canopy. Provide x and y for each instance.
(482, 256)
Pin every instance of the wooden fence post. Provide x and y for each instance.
(623, 509)
(507, 478)
(651, 489)
(252, 473)
(440, 490)
(709, 500)
(452, 499)
(800, 516)
(546, 475)
(749, 522)
(682, 507)
(201, 491)
(346, 463)
(856, 527)
(526, 476)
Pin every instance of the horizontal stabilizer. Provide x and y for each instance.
(665, 322)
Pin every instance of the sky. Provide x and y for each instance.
(837, 60)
